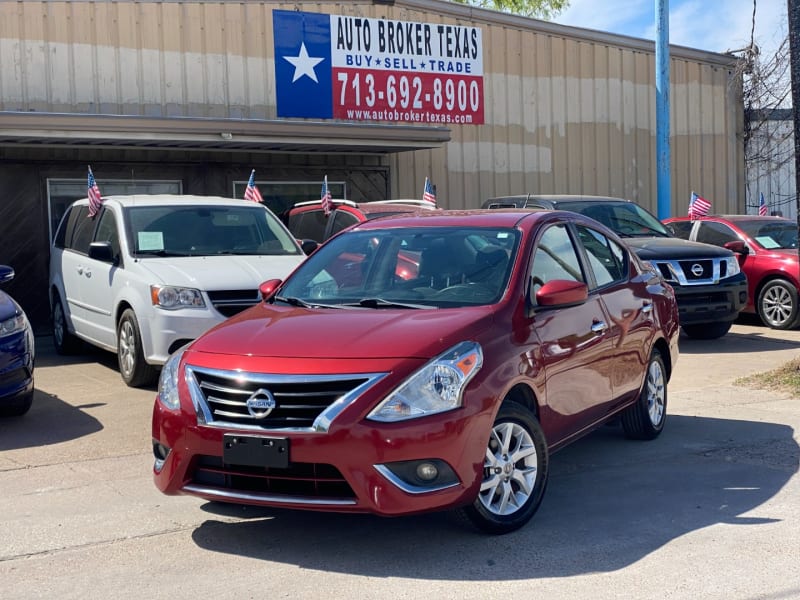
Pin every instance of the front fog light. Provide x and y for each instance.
(419, 476)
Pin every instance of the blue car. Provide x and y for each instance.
(16, 354)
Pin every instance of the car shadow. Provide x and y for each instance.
(49, 421)
(736, 343)
(610, 502)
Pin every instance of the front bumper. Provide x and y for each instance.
(343, 469)
(719, 302)
(16, 365)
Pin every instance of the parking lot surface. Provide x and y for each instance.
(711, 509)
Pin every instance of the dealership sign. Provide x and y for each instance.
(359, 69)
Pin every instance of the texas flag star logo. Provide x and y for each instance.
(304, 64)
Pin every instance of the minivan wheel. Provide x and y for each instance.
(645, 419)
(707, 331)
(63, 340)
(514, 472)
(777, 304)
(132, 366)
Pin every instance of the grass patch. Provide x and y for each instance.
(785, 378)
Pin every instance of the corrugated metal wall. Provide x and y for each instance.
(567, 110)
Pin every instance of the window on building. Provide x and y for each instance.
(63, 192)
(280, 196)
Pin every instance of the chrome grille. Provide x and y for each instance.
(702, 271)
(301, 402)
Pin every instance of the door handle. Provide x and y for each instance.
(599, 327)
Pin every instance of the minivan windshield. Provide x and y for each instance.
(406, 268)
(173, 230)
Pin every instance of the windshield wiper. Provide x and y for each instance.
(381, 303)
(302, 303)
(159, 253)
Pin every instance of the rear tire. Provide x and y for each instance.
(777, 304)
(645, 419)
(65, 343)
(514, 473)
(707, 331)
(130, 354)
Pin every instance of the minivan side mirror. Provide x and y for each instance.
(309, 246)
(102, 251)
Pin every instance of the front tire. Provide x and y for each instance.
(130, 354)
(645, 419)
(16, 407)
(777, 304)
(707, 331)
(514, 473)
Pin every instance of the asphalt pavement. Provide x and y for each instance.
(711, 509)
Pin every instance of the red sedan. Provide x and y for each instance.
(767, 251)
(352, 389)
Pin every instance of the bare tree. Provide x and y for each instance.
(542, 9)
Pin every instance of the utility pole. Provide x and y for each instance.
(663, 162)
(794, 62)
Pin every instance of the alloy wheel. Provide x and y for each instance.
(509, 468)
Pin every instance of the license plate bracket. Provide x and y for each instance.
(255, 450)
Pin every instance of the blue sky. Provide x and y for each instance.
(715, 25)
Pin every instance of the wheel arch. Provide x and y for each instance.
(523, 395)
(663, 348)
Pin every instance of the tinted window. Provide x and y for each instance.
(309, 225)
(79, 230)
(107, 232)
(681, 229)
(715, 233)
(771, 234)
(607, 259)
(341, 220)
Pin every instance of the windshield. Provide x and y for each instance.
(626, 219)
(195, 230)
(405, 268)
(771, 234)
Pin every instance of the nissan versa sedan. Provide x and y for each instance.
(16, 354)
(353, 389)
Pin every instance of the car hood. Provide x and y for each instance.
(220, 272)
(276, 331)
(673, 249)
(8, 308)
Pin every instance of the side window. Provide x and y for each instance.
(341, 220)
(608, 261)
(309, 225)
(715, 233)
(79, 231)
(107, 232)
(555, 258)
(681, 229)
(67, 224)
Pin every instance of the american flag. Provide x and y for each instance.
(428, 195)
(698, 206)
(251, 192)
(762, 206)
(95, 199)
(325, 196)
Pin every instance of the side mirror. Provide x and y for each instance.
(309, 246)
(268, 288)
(562, 292)
(737, 246)
(102, 251)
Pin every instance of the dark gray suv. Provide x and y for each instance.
(710, 288)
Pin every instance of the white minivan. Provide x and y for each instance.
(149, 273)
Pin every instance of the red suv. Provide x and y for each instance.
(351, 389)
(307, 220)
(767, 251)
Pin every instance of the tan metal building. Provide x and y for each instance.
(180, 96)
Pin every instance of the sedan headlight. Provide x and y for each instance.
(168, 381)
(171, 297)
(13, 325)
(437, 387)
(732, 266)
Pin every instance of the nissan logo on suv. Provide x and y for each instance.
(697, 269)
